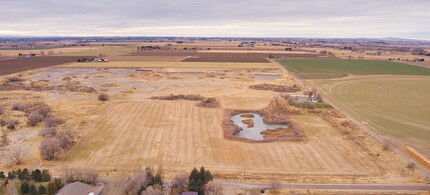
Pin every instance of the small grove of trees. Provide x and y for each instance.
(27, 179)
(29, 188)
(198, 179)
(25, 175)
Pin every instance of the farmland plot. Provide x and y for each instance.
(179, 135)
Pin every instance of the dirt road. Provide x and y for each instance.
(367, 187)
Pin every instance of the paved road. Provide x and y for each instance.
(366, 187)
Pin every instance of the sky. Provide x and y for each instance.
(217, 18)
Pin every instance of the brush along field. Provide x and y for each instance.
(131, 130)
(158, 64)
(396, 106)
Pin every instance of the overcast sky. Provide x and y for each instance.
(245, 18)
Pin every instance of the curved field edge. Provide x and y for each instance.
(320, 68)
(396, 106)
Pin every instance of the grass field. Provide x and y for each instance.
(135, 64)
(180, 135)
(335, 68)
(397, 106)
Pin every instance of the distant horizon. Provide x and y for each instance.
(408, 19)
(211, 37)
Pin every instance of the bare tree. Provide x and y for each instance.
(212, 188)
(89, 176)
(180, 181)
(68, 174)
(50, 148)
(153, 190)
(66, 138)
(18, 155)
(275, 186)
(135, 182)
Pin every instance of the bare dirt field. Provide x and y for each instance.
(147, 58)
(27, 63)
(56, 51)
(160, 64)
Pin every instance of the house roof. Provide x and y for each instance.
(79, 188)
(190, 193)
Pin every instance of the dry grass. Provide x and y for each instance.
(277, 88)
(179, 97)
(170, 130)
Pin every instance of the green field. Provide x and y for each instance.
(335, 68)
(396, 106)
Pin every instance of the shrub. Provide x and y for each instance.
(2, 122)
(52, 121)
(1, 110)
(50, 148)
(275, 186)
(209, 103)
(34, 118)
(11, 124)
(65, 138)
(18, 107)
(191, 97)
(48, 132)
(42, 189)
(103, 97)
(411, 165)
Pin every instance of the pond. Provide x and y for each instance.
(254, 132)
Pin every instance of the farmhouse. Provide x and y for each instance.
(79, 188)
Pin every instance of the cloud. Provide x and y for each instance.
(269, 18)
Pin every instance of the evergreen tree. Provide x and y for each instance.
(42, 189)
(158, 179)
(45, 175)
(11, 175)
(23, 175)
(58, 184)
(2, 176)
(36, 175)
(51, 190)
(149, 177)
(24, 188)
(208, 176)
(32, 190)
(194, 175)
